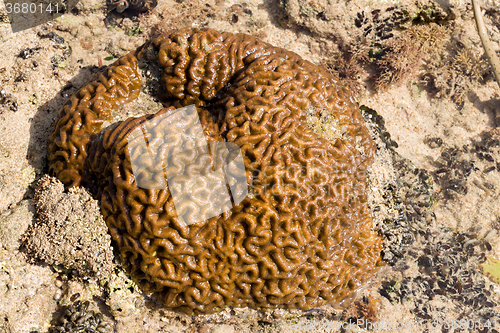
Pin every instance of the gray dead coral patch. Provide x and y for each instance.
(322, 18)
(69, 232)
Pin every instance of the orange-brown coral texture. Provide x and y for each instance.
(300, 239)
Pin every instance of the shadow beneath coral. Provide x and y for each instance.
(277, 16)
(42, 123)
(280, 18)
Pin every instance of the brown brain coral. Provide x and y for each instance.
(302, 236)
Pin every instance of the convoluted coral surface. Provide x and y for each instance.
(301, 237)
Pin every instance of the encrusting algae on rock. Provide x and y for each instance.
(300, 239)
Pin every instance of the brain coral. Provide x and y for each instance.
(300, 239)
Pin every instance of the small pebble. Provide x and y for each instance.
(68, 52)
(28, 52)
(20, 77)
(204, 329)
(74, 297)
(433, 142)
(492, 233)
(58, 295)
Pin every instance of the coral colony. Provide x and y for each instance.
(267, 208)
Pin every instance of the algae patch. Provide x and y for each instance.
(491, 269)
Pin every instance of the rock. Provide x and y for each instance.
(13, 224)
(69, 231)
